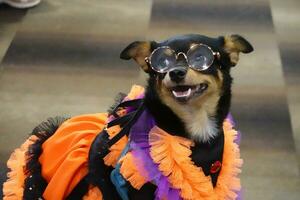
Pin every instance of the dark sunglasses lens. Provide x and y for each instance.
(162, 59)
(200, 57)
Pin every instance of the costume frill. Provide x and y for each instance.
(154, 156)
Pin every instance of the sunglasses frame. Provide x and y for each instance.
(215, 54)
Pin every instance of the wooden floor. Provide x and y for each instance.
(62, 57)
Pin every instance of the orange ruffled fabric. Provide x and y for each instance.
(130, 171)
(111, 159)
(228, 180)
(65, 155)
(13, 188)
(172, 154)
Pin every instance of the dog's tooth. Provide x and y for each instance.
(174, 93)
(182, 94)
(189, 92)
(177, 94)
(203, 86)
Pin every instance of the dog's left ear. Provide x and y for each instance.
(233, 45)
(138, 50)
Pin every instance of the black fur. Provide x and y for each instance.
(244, 45)
(118, 100)
(145, 193)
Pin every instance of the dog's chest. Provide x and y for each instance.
(197, 126)
(204, 155)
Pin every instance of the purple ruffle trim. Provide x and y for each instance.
(231, 120)
(141, 150)
(237, 141)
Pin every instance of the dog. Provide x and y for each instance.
(188, 96)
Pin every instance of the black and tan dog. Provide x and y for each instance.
(188, 94)
(188, 102)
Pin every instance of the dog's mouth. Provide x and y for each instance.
(183, 93)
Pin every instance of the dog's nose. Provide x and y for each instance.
(178, 74)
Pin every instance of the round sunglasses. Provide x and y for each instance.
(199, 57)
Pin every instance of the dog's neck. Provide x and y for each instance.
(200, 126)
(196, 124)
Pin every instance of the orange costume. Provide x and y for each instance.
(65, 158)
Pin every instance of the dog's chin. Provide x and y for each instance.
(185, 93)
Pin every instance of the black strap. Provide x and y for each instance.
(121, 120)
(127, 126)
(125, 121)
(99, 173)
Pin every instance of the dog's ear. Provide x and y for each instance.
(233, 45)
(138, 50)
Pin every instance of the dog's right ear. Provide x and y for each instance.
(138, 50)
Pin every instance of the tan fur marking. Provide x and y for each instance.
(197, 114)
(233, 48)
(140, 53)
(229, 44)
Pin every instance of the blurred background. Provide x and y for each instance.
(62, 58)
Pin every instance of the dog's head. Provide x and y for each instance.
(191, 74)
